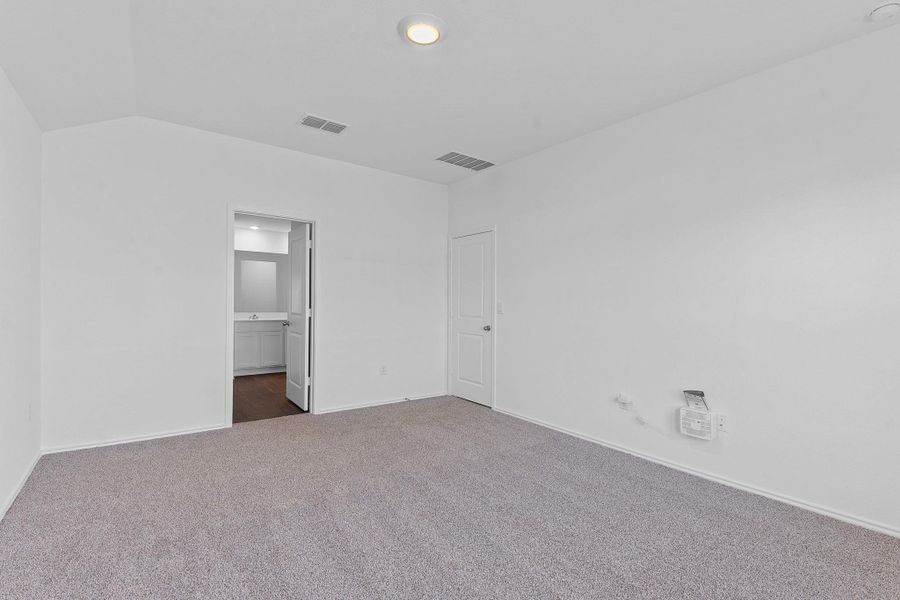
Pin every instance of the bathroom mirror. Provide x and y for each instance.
(258, 290)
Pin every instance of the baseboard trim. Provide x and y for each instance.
(334, 409)
(7, 504)
(816, 508)
(129, 440)
(261, 371)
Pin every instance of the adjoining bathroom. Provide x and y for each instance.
(272, 317)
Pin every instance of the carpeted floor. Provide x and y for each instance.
(428, 499)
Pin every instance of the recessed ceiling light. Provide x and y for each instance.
(423, 33)
(254, 227)
(421, 29)
(885, 12)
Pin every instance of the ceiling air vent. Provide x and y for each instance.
(323, 124)
(461, 160)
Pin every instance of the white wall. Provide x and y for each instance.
(260, 240)
(137, 208)
(746, 242)
(20, 220)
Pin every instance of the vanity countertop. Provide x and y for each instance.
(262, 316)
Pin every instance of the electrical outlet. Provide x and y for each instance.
(624, 402)
(383, 369)
(721, 422)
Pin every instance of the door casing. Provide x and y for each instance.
(229, 306)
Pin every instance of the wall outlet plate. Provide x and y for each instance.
(624, 401)
(721, 422)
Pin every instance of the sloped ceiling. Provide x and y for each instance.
(510, 77)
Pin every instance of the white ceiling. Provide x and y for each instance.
(244, 221)
(510, 78)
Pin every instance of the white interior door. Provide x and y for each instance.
(471, 317)
(297, 334)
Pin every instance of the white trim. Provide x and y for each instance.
(816, 508)
(494, 335)
(128, 440)
(378, 403)
(15, 493)
(260, 371)
(448, 347)
(229, 306)
(228, 409)
(495, 325)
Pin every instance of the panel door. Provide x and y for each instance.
(297, 330)
(471, 317)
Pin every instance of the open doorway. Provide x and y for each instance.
(272, 277)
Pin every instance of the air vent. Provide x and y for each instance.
(323, 124)
(461, 160)
(333, 127)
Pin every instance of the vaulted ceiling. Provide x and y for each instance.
(510, 77)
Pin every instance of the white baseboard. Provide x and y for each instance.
(139, 438)
(154, 436)
(15, 493)
(377, 403)
(263, 371)
(816, 508)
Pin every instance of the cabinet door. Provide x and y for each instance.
(246, 350)
(271, 349)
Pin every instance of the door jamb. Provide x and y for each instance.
(229, 307)
(494, 329)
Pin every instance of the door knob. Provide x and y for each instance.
(487, 327)
(285, 323)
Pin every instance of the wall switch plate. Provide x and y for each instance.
(383, 369)
(721, 422)
(499, 308)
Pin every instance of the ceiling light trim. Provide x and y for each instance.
(885, 12)
(411, 26)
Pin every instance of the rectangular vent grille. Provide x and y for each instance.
(323, 124)
(333, 127)
(461, 160)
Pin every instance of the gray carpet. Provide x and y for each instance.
(428, 499)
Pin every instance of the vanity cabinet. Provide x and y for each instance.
(246, 350)
(258, 345)
(271, 349)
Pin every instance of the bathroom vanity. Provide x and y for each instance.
(259, 343)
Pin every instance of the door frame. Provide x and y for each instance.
(229, 306)
(494, 328)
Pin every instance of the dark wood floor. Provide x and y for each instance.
(261, 397)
